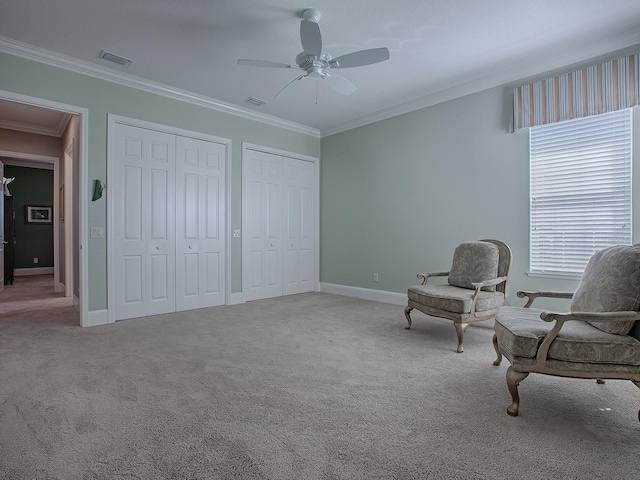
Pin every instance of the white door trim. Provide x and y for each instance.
(83, 114)
(132, 122)
(298, 156)
(68, 226)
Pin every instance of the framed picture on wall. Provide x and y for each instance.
(40, 215)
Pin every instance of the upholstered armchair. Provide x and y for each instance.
(596, 339)
(476, 286)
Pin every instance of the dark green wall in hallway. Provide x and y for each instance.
(34, 187)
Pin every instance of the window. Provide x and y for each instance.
(580, 195)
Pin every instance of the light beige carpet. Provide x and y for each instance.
(311, 386)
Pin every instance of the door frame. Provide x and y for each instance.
(20, 159)
(68, 199)
(297, 156)
(133, 122)
(82, 156)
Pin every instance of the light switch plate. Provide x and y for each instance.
(97, 232)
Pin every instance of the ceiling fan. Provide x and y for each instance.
(316, 64)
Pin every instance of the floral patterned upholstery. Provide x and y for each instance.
(474, 262)
(476, 286)
(610, 283)
(599, 338)
(454, 299)
(520, 331)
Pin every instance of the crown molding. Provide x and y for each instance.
(22, 127)
(37, 54)
(57, 131)
(514, 72)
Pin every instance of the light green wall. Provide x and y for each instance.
(396, 195)
(100, 97)
(399, 195)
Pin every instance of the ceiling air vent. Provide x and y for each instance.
(255, 101)
(112, 57)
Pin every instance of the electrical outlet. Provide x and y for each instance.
(236, 233)
(375, 277)
(35, 259)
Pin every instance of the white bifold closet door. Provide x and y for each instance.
(168, 248)
(143, 222)
(200, 207)
(278, 225)
(262, 225)
(299, 209)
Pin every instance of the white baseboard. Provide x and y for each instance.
(24, 272)
(365, 293)
(236, 298)
(97, 317)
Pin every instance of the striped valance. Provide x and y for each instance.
(605, 87)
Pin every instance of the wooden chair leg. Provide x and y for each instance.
(513, 380)
(407, 311)
(498, 360)
(460, 328)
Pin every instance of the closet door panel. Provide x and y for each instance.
(200, 177)
(144, 219)
(299, 211)
(262, 225)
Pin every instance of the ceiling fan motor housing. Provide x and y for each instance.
(311, 15)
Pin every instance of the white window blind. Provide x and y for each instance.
(580, 175)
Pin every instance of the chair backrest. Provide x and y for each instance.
(474, 262)
(610, 283)
(504, 263)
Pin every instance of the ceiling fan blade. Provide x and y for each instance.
(361, 58)
(311, 38)
(339, 84)
(264, 63)
(290, 87)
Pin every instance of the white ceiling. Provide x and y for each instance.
(440, 49)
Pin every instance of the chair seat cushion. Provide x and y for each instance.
(454, 299)
(520, 331)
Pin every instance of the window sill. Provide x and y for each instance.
(558, 276)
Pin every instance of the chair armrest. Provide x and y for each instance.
(426, 276)
(489, 283)
(624, 316)
(561, 318)
(533, 295)
(478, 286)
